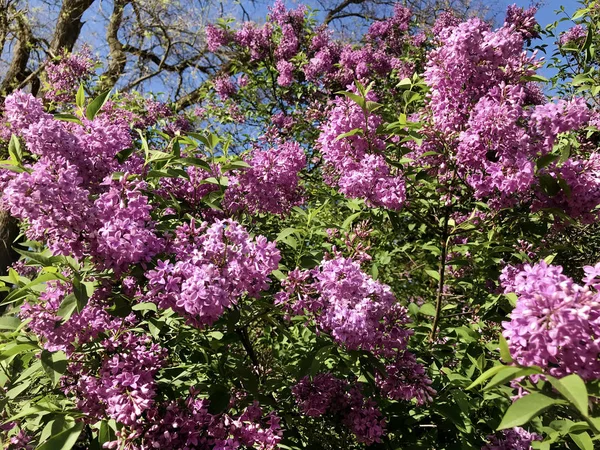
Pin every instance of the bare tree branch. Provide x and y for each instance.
(17, 70)
(117, 57)
(68, 26)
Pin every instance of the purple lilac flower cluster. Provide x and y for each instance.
(82, 327)
(354, 156)
(67, 196)
(66, 73)
(514, 439)
(359, 313)
(574, 35)
(271, 184)
(496, 125)
(328, 61)
(556, 321)
(522, 20)
(214, 265)
(187, 424)
(327, 395)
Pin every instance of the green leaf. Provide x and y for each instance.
(580, 13)
(512, 298)
(68, 306)
(105, 433)
(537, 78)
(38, 257)
(404, 83)
(55, 365)
(350, 219)
(219, 399)
(196, 162)
(64, 440)
(572, 387)
(17, 349)
(68, 118)
(145, 306)
(427, 309)
(237, 165)
(210, 140)
(360, 101)
(525, 409)
(582, 440)
(487, 375)
(96, 104)
(510, 374)
(582, 78)
(14, 149)
(9, 323)
(285, 233)
(80, 97)
(504, 351)
(349, 133)
(433, 274)
(546, 160)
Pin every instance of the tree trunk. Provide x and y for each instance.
(9, 230)
(68, 25)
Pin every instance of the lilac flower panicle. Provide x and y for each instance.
(555, 323)
(326, 394)
(213, 267)
(356, 163)
(574, 35)
(513, 439)
(271, 184)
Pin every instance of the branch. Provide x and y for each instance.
(117, 57)
(441, 276)
(69, 25)
(331, 15)
(17, 70)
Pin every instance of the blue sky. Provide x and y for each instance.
(547, 13)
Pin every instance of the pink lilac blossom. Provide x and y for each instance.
(256, 40)
(551, 119)
(359, 313)
(216, 37)
(574, 35)
(20, 441)
(187, 424)
(54, 203)
(391, 32)
(191, 189)
(498, 151)
(444, 23)
(271, 184)
(66, 74)
(123, 387)
(355, 163)
(523, 21)
(134, 111)
(555, 323)
(22, 110)
(326, 394)
(580, 201)
(82, 327)
(288, 44)
(469, 62)
(280, 15)
(219, 264)
(513, 439)
(224, 87)
(285, 69)
(126, 235)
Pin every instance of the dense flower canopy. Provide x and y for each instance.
(326, 252)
